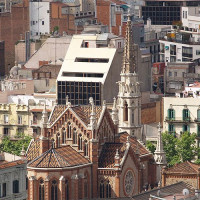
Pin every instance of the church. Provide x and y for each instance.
(88, 152)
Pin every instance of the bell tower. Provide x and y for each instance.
(129, 96)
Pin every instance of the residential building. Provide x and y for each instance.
(13, 177)
(19, 118)
(52, 51)
(176, 75)
(165, 12)
(18, 14)
(187, 172)
(181, 115)
(113, 14)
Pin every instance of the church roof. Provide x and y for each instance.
(33, 150)
(83, 112)
(61, 157)
(183, 168)
(107, 156)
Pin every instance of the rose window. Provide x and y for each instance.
(129, 182)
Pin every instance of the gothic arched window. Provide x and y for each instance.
(41, 189)
(15, 186)
(54, 190)
(74, 136)
(125, 111)
(85, 148)
(80, 143)
(66, 190)
(63, 136)
(58, 139)
(108, 190)
(101, 190)
(69, 131)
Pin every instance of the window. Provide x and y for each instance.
(171, 114)
(74, 136)
(175, 74)
(85, 148)
(15, 186)
(198, 130)
(33, 22)
(19, 119)
(80, 145)
(101, 190)
(108, 190)
(198, 115)
(3, 190)
(58, 139)
(186, 128)
(54, 190)
(63, 136)
(171, 128)
(5, 119)
(26, 183)
(186, 115)
(34, 118)
(6, 131)
(42, 22)
(197, 52)
(125, 111)
(41, 189)
(69, 134)
(20, 130)
(85, 188)
(170, 74)
(66, 190)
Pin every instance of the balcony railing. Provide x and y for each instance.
(35, 123)
(178, 119)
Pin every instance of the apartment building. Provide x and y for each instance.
(181, 114)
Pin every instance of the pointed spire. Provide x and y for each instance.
(23, 152)
(128, 58)
(92, 115)
(159, 154)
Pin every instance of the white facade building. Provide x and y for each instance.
(39, 18)
(181, 114)
(90, 69)
(13, 179)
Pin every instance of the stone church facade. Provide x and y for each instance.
(84, 152)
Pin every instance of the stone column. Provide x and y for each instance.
(117, 184)
(75, 187)
(62, 187)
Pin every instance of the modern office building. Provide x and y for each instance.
(165, 12)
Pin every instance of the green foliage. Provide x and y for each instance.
(150, 146)
(180, 149)
(15, 147)
(56, 28)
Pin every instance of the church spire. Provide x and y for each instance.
(128, 58)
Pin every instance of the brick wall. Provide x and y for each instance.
(11, 26)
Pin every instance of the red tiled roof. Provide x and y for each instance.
(107, 156)
(59, 158)
(57, 111)
(5, 164)
(33, 150)
(134, 143)
(83, 112)
(183, 168)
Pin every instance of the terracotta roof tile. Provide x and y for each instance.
(57, 111)
(83, 112)
(59, 158)
(107, 157)
(33, 150)
(5, 165)
(134, 143)
(183, 168)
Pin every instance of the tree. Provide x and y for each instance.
(180, 149)
(15, 147)
(150, 146)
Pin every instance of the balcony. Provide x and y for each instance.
(197, 120)
(178, 119)
(35, 123)
(13, 123)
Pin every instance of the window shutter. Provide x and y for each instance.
(173, 114)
